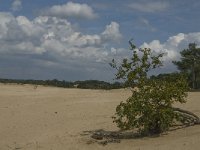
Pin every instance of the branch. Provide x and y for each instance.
(189, 116)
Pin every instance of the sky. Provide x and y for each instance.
(76, 40)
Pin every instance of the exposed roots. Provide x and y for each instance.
(186, 117)
(102, 137)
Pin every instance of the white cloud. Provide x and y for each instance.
(16, 5)
(113, 50)
(172, 48)
(51, 44)
(149, 6)
(54, 37)
(80, 40)
(47, 41)
(71, 9)
(112, 32)
(174, 44)
(53, 40)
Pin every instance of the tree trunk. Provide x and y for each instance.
(193, 78)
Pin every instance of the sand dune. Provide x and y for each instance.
(48, 118)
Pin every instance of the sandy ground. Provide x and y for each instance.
(49, 118)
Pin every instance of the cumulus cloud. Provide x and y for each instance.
(149, 6)
(71, 9)
(112, 32)
(172, 48)
(54, 37)
(173, 45)
(49, 41)
(16, 5)
(53, 42)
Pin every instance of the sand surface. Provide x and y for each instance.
(49, 118)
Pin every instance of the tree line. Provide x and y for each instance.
(87, 84)
(189, 65)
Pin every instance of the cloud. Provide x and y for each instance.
(47, 41)
(172, 48)
(149, 6)
(16, 5)
(174, 45)
(51, 43)
(112, 32)
(53, 37)
(71, 9)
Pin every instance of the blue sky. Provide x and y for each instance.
(75, 40)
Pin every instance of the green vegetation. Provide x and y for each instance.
(150, 108)
(88, 84)
(167, 76)
(95, 84)
(190, 64)
(53, 82)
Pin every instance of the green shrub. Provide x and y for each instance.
(149, 109)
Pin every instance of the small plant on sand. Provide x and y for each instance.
(150, 108)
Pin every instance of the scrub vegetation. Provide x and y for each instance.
(150, 108)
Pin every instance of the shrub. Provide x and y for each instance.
(149, 109)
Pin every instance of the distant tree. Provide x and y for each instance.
(168, 76)
(150, 108)
(190, 63)
(93, 84)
